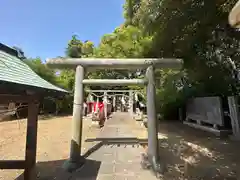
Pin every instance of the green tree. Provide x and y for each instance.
(197, 32)
(42, 70)
(74, 48)
(124, 42)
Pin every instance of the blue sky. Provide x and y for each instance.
(43, 27)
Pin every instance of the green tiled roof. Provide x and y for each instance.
(14, 70)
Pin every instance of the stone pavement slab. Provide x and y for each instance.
(119, 160)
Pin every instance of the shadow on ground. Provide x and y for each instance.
(53, 171)
(188, 153)
(114, 142)
(193, 154)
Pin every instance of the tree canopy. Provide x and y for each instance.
(196, 31)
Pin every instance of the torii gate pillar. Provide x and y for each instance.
(152, 153)
(105, 104)
(131, 103)
(76, 159)
(114, 103)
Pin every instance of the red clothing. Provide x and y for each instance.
(100, 115)
(100, 106)
(89, 104)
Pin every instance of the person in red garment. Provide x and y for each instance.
(95, 111)
(101, 115)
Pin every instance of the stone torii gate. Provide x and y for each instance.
(76, 160)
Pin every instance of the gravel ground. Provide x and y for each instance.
(53, 142)
(192, 154)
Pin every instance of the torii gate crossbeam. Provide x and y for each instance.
(107, 63)
(112, 90)
(115, 82)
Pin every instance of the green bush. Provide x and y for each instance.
(169, 101)
(65, 105)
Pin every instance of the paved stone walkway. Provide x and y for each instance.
(119, 157)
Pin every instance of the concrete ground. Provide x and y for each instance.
(116, 156)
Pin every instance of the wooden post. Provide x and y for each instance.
(76, 160)
(31, 142)
(235, 116)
